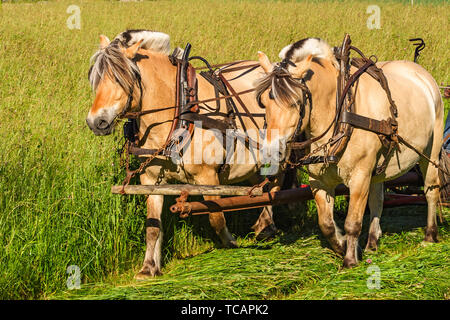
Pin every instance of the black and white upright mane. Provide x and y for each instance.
(111, 61)
(285, 88)
(316, 47)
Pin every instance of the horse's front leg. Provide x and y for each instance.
(264, 227)
(324, 198)
(359, 191)
(153, 232)
(376, 197)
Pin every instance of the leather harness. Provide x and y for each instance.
(346, 119)
(186, 111)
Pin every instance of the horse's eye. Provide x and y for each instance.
(271, 95)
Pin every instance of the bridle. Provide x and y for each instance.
(280, 70)
(128, 105)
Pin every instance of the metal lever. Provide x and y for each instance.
(420, 45)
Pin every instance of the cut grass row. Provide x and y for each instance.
(298, 267)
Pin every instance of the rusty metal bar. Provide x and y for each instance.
(302, 193)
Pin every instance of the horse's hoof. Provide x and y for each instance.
(267, 233)
(350, 263)
(372, 243)
(431, 234)
(340, 250)
(147, 275)
(430, 237)
(371, 248)
(232, 245)
(339, 247)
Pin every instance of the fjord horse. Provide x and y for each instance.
(420, 122)
(113, 77)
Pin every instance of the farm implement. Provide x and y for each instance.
(404, 190)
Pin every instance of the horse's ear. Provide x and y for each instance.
(104, 41)
(302, 67)
(130, 52)
(265, 62)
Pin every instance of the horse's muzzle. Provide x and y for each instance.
(100, 126)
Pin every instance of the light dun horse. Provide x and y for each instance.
(113, 77)
(420, 122)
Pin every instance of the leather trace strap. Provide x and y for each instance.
(384, 127)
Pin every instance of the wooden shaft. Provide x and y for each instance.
(192, 190)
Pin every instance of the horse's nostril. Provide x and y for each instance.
(102, 124)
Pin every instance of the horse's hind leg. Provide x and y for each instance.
(431, 190)
(264, 227)
(216, 219)
(376, 198)
(218, 222)
(152, 260)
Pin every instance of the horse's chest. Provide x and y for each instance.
(328, 174)
(163, 171)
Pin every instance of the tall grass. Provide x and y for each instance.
(56, 208)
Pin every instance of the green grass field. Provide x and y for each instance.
(56, 208)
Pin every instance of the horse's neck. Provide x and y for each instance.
(159, 82)
(323, 91)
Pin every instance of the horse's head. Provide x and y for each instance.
(283, 93)
(115, 78)
(308, 68)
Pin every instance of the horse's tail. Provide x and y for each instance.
(444, 177)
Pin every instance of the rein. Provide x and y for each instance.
(137, 114)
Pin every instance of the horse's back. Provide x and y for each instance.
(412, 78)
(420, 110)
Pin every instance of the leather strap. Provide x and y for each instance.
(378, 126)
(238, 98)
(207, 123)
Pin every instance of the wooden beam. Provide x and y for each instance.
(193, 190)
